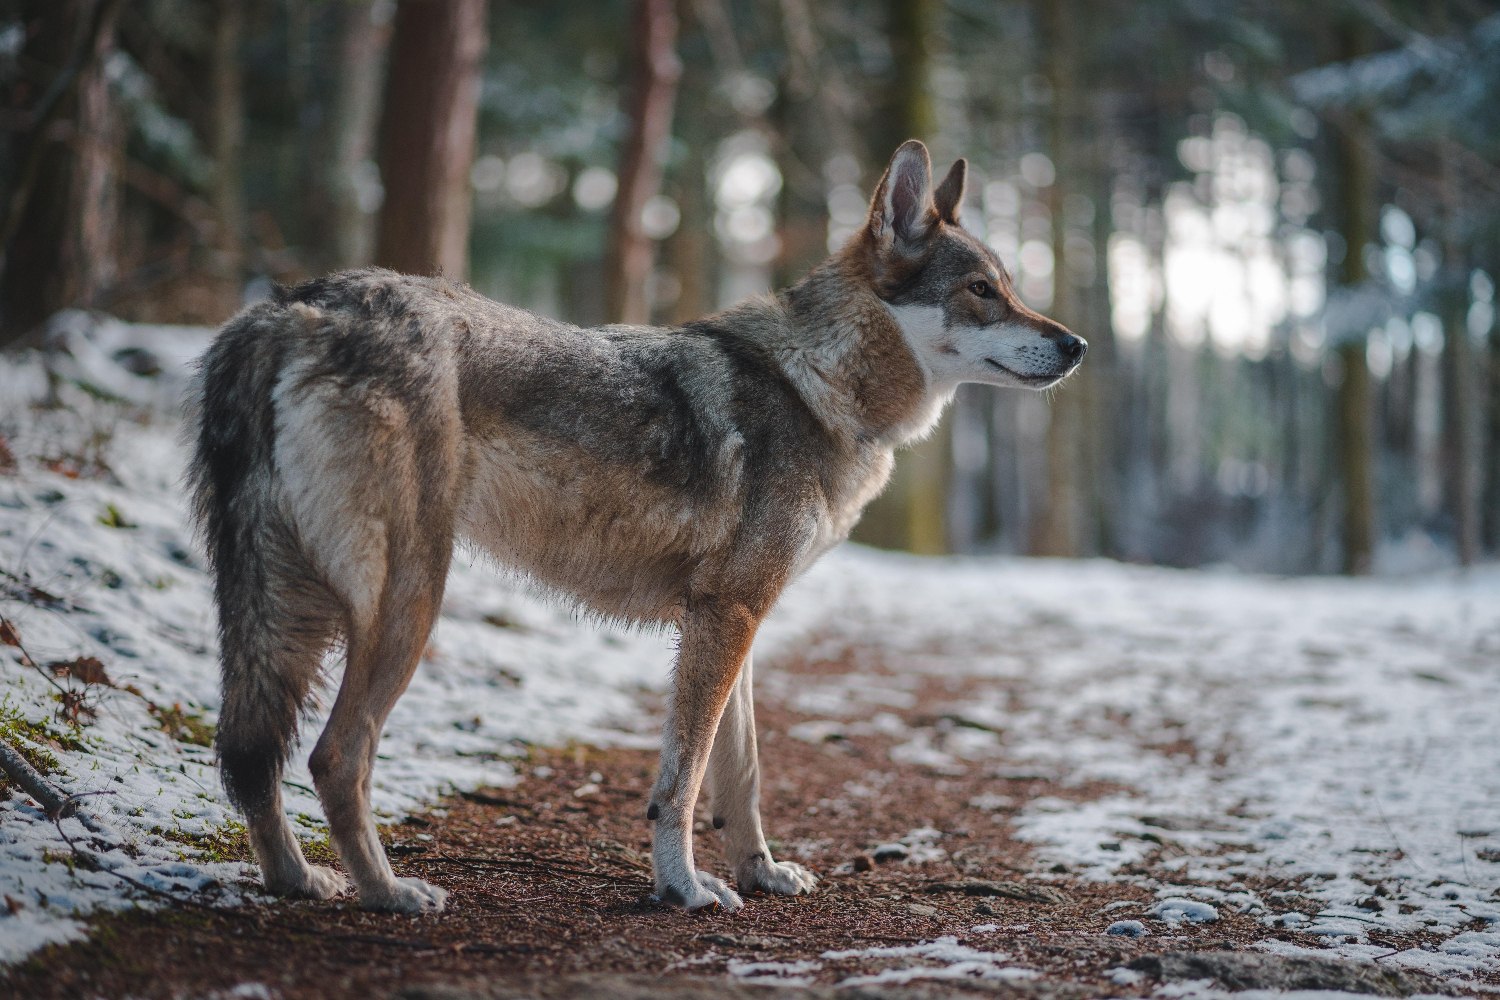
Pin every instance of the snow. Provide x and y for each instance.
(1335, 736)
(1176, 910)
(951, 961)
(941, 959)
(778, 973)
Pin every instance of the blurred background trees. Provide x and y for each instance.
(1276, 222)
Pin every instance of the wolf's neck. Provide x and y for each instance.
(841, 346)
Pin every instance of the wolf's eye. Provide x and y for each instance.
(983, 289)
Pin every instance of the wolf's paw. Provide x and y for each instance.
(406, 895)
(315, 882)
(785, 878)
(324, 883)
(703, 890)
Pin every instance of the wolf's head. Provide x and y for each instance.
(948, 292)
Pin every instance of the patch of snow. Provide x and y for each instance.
(921, 846)
(990, 801)
(955, 961)
(777, 973)
(1176, 910)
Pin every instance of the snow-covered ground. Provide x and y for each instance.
(1335, 740)
(1330, 739)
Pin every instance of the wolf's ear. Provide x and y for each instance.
(949, 197)
(902, 210)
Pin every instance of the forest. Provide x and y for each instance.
(1277, 223)
(1177, 679)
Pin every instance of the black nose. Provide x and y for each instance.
(1072, 347)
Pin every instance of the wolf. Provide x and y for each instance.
(350, 431)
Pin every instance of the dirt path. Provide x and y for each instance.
(550, 896)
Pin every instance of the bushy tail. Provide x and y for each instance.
(232, 477)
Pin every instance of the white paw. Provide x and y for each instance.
(785, 878)
(406, 895)
(324, 883)
(702, 890)
(314, 882)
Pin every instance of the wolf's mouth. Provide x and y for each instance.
(1028, 379)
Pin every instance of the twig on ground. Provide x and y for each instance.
(19, 770)
(54, 803)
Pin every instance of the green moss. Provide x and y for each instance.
(230, 842)
(32, 740)
(112, 518)
(182, 725)
(312, 834)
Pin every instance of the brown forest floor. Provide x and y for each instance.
(550, 885)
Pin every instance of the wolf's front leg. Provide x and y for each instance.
(734, 784)
(716, 636)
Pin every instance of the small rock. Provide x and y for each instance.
(890, 852)
(922, 909)
(863, 863)
(1176, 910)
(1127, 928)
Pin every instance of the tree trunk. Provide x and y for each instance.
(1356, 439)
(691, 249)
(228, 137)
(911, 514)
(363, 39)
(1059, 531)
(1103, 388)
(1462, 438)
(649, 99)
(427, 136)
(1491, 448)
(1356, 458)
(58, 240)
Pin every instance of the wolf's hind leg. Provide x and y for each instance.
(734, 787)
(382, 658)
(273, 635)
(283, 868)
